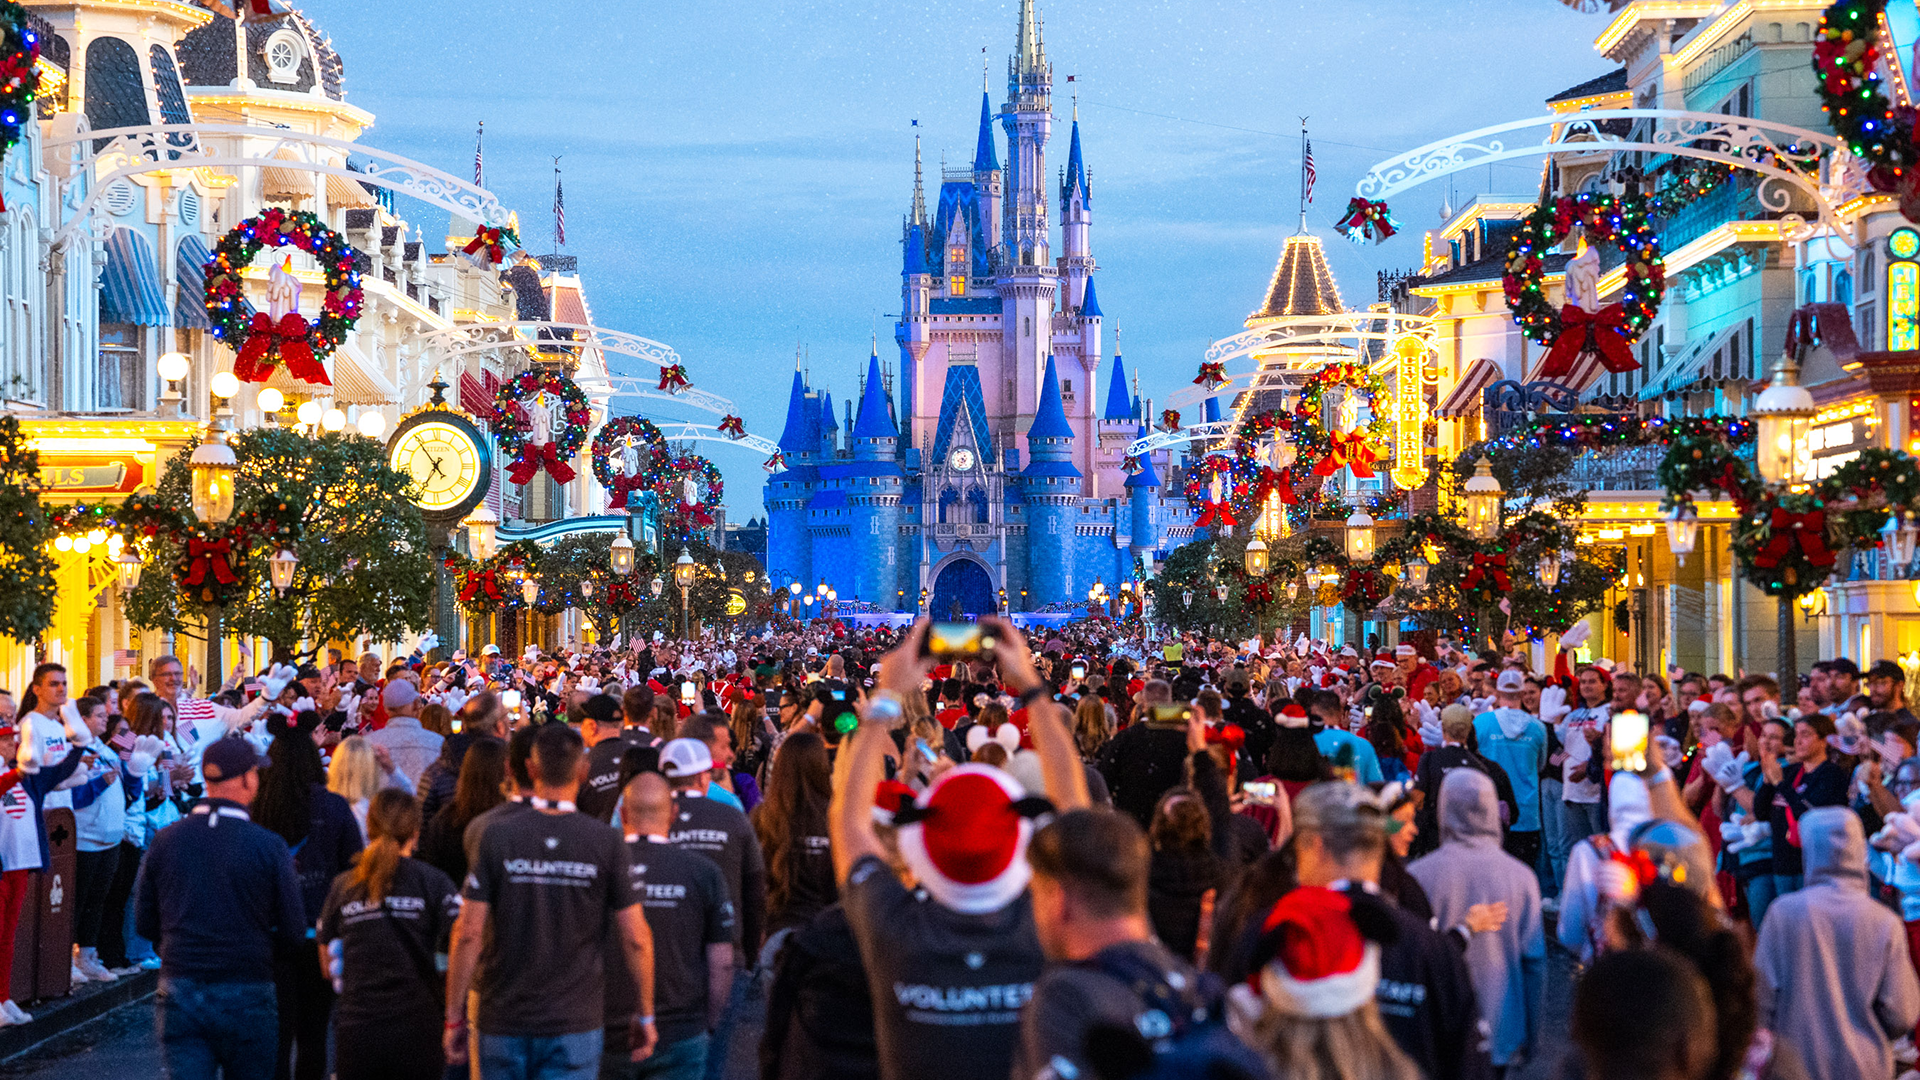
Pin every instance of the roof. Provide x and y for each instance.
(1302, 284)
(569, 304)
(1119, 402)
(962, 197)
(802, 433)
(827, 422)
(913, 245)
(1491, 269)
(1075, 179)
(1613, 82)
(210, 55)
(1146, 477)
(875, 421)
(1090, 306)
(1050, 418)
(962, 392)
(985, 156)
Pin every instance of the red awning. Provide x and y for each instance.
(1464, 399)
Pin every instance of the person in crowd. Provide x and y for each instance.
(382, 935)
(1581, 733)
(1327, 716)
(150, 809)
(1516, 741)
(684, 897)
(1146, 758)
(1657, 997)
(100, 823)
(1835, 979)
(1183, 873)
(1887, 690)
(483, 786)
(23, 830)
(1787, 793)
(1508, 966)
(792, 827)
(548, 887)
(480, 717)
(600, 730)
(219, 896)
(410, 746)
(1456, 726)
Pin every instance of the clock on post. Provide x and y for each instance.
(450, 461)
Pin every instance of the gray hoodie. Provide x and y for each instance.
(1835, 979)
(1509, 964)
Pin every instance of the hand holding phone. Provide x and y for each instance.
(1629, 742)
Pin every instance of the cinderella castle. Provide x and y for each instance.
(982, 476)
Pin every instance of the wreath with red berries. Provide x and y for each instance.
(1845, 52)
(514, 428)
(260, 342)
(1619, 219)
(19, 78)
(611, 439)
(668, 486)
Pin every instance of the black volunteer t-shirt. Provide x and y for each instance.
(947, 987)
(1071, 999)
(387, 949)
(600, 793)
(722, 834)
(553, 883)
(812, 888)
(687, 909)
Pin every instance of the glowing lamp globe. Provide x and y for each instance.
(1783, 415)
(529, 590)
(270, 400)
(1256, 558)
(224, 384)
(173, 366)
(212, 466)
(371, 424)
(1360, 537)
(683, 572)
(480, 525)
(280, 567)
(1683, 531)
(128, 564)
(621, 553)
(1482, 495)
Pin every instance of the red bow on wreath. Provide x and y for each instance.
(1280, 482)
(1347, 450)
(1259, 593)
(531, 459)
(493, 241)
(1170, 420)
(210, 557)
(695, 513)
(286, 339)
(622, 487)
(1787, 529)
(733, 428)
(1221, 512)
(480, 582)
(1582, 332)
(1366, 220)
(1212, 376)
(673, 378)
(1485, 566)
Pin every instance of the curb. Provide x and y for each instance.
(54, 1018)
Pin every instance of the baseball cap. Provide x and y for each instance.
(601, 709)
(685, 757)
(1887, 669)
(229, 757)
(490, 650)
(1510, 682)
(399, 694)
(309, 671)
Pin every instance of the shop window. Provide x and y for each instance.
(116, 94)
(117, 376)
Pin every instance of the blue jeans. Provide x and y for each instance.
(682, 1060)
(1579, 820)
(1761, 892)
(540, 1057)
(232, 1029)
(1786, 883)
(723, 1031)
(1553, 843)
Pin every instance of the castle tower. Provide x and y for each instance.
(1076, 219)
(1027, 279)
(986, 171)
(875, 491)
(1142, 492)
(916, 291)
(1052, 486)
(789, 551)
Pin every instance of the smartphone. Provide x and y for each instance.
(926, 752)
(948, 640)
(1175, 715)
(1078, 671)
(1260, 791)
(837, 693)
(1629, 747)
(688, 692)
(510, 700)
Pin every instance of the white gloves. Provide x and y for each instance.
(275, 681)
(78, 734)
(1553, 705)
(146, 751)
(1728, 770)
(1900, 834)
(1576, 636)
(1429, 724)
(429, 641)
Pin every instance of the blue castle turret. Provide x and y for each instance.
(1142, 491)
(1051, 485)
(789, 554)
(875, 495)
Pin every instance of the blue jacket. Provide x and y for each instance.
(215, 892)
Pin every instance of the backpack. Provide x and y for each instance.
(1180, 1032)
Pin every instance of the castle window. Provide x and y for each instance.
(957, 285)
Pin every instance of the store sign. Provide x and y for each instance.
(1837, 437)
(736, 602)
(1409, 413)
(1903, 306)
(92, 474)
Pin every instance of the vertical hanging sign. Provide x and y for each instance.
(1409, 413)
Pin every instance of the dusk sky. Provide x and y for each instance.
(735, 182)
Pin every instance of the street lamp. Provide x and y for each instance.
(173, 368)
(213, 466)
(1783, 414)
(1417, 568)
(1220, 592)
(657, 586)
(270, 400)
(1256, 558)
(586, 588)
(1683, 531)
(280, 567)
(1359, 537)
(621, 554)
(1901, 534)
(1186, 598)
(1482, 499)
(480, 526)
(530, 590)
(129, 566)
(683, 577)
(925, 597)
(1549, 569)
(334, 420)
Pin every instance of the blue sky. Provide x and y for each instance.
(736, 173)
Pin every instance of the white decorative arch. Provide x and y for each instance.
(1347, 333)
(676, 431)
(1192, 433)
(480, 337)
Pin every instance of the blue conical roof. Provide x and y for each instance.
(1076, 178)
(985, 157)
(874, 421)
(914, 257)
(826, 412)
(1119, 402)
(1146, 477)
(1050, 419)
(1090, 305)
(801, 435)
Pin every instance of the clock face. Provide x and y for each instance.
(961, 460)
(1903, 243)
(443, 460)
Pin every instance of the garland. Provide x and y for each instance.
(1571, 331)
(1609, 430)
(211, 561)
(611, 440)
(19, 78)
(668, 486)
(1845, 54)
(491, 584)
(511, 424)
(259, 342)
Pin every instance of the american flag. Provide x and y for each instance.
(1311, 175)
(479, 173)
(559, 211)
(126, 658)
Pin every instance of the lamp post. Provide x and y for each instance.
(480, 532)
(1482, 498)
(128, 564)
(213, 466)
(173, 368)
(621, 555)
(683, 577)
(280, 566)
(1783, 417)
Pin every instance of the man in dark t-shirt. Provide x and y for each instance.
(685, 899)
(600, 729)
(547, 889)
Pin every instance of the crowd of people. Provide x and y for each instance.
(959, 852)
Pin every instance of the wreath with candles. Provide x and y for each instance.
(260, 342)
(1570, 331)
(1241, 490)
(669, 486)
(493, 584)
(19, 78)
(514, 427)
(1327, 451)
(611, 440)
(1846, 50)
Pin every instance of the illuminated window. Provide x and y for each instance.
(957, 285)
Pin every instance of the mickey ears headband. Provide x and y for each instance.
(910, 812)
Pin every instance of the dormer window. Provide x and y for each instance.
(957, 285)
(283, 53)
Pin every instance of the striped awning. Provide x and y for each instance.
(130, 289)
(1717, 358)
(1464, 398)
(342, 191)
(1586, 371)
(190, 283)
(357, 382)
(474, 395)
(277, 182)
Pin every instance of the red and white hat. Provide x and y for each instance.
(1291, 715)
(966, 838)
(1318, 964)
(888, 797)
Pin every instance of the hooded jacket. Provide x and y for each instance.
(1509, 964)
(1628, 808)
(1835, 980)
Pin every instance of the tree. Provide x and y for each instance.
(365, 563)
(26, 608)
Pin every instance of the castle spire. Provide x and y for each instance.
(919, 190)
(1119, 402)
(874, 422)
(985, 157)
(800, 435)
(1050, 419)
(1076, 178)
(1029, 51)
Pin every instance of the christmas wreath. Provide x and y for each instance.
(669, 485)
(493, 583)
(1570, 331)
(1845, 53)
(19, 78)
(210, 564)
(1225, 490)
(259, 341)
(611, 442)
(513, 424)
(1327, 450)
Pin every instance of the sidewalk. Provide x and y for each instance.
(58, 1016)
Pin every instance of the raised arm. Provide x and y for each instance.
(861, 766)
(1047, 720)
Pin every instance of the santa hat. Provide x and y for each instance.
(1292, 716)
(1404, 651)
(1319, 955)
(888, 797)
(965, 838)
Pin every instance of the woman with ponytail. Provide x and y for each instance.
(383, 938)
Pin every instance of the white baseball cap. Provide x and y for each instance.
(685, 757)
(1510, 682)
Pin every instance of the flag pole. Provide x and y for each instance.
(1303, 174)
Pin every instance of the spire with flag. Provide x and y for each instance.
(559, 209)
(479, 158)
(1307, 173)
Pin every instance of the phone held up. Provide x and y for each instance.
(1630, 740)
(957, 641)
